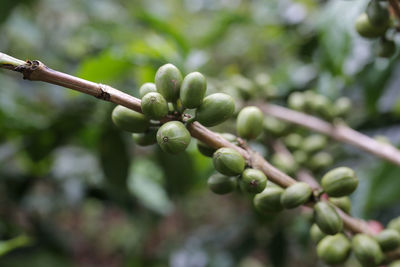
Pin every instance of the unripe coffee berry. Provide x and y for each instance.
(342, 106)
(253, 181)
(147, 88)
(342, 203)
(367, 250)
(228, 161)
(269, 200)
(284, 162)
(193, 89)
(173, 137)
(316, 234)
(322, 106)
(293, 140)
(366, 29)
(320, 160)
(377, 14)
(154, 106)
(314, 143)
(129, 120)
(249, 122)
(215, 109)
(296, 195)
(395, 264)
(168, 82)
(339, 182)
(145, 139)
(297, 101)
(394, 224)
(222, 184)
(334, 249)
(327, 219)
(300, 157)
(275, 127)
(386, 48)
(388, 239)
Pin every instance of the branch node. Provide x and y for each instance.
(104, 95)
(27, 68)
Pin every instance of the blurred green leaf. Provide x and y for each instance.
(384, 189)
(105, 67)
(146, 183)
(15, 243)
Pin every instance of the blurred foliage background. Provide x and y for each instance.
(75, 191)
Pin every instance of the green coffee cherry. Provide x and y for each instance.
(313, 143)
(327, 219)
(297, 101)
(342, 203)
(342, 106)
(249, 122)
(388, 239)
(334, 249)
(339, 182)
(321, 105)
(367, 250)
(300, 157)
(145, 139)
(173, 137)
(215, 109)
(320, 160)
(284, 163)
(269, 200)
(193, 89)
(308, 98)
(386, 48)
(168, 82)
(293, 140)
(228, 161)
(147, 88)
(274, 126)
(154, 106)
(253, 181)
(129, 120)
(296, 195)
(366, 29)
(395, 264)
(394, 224)
(316, 234)
(377, 14)
(221, 184)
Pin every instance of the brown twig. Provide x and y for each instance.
(37, 71)
(338, 131)
(353, 224)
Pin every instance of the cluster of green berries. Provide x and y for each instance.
(319, 105)
(172, 98)
(333, 246)
(307, 150)
(369, 250)
(374, 23)
(230, 164)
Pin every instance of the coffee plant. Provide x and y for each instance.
(274, 150)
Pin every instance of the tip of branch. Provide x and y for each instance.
(7, 61)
